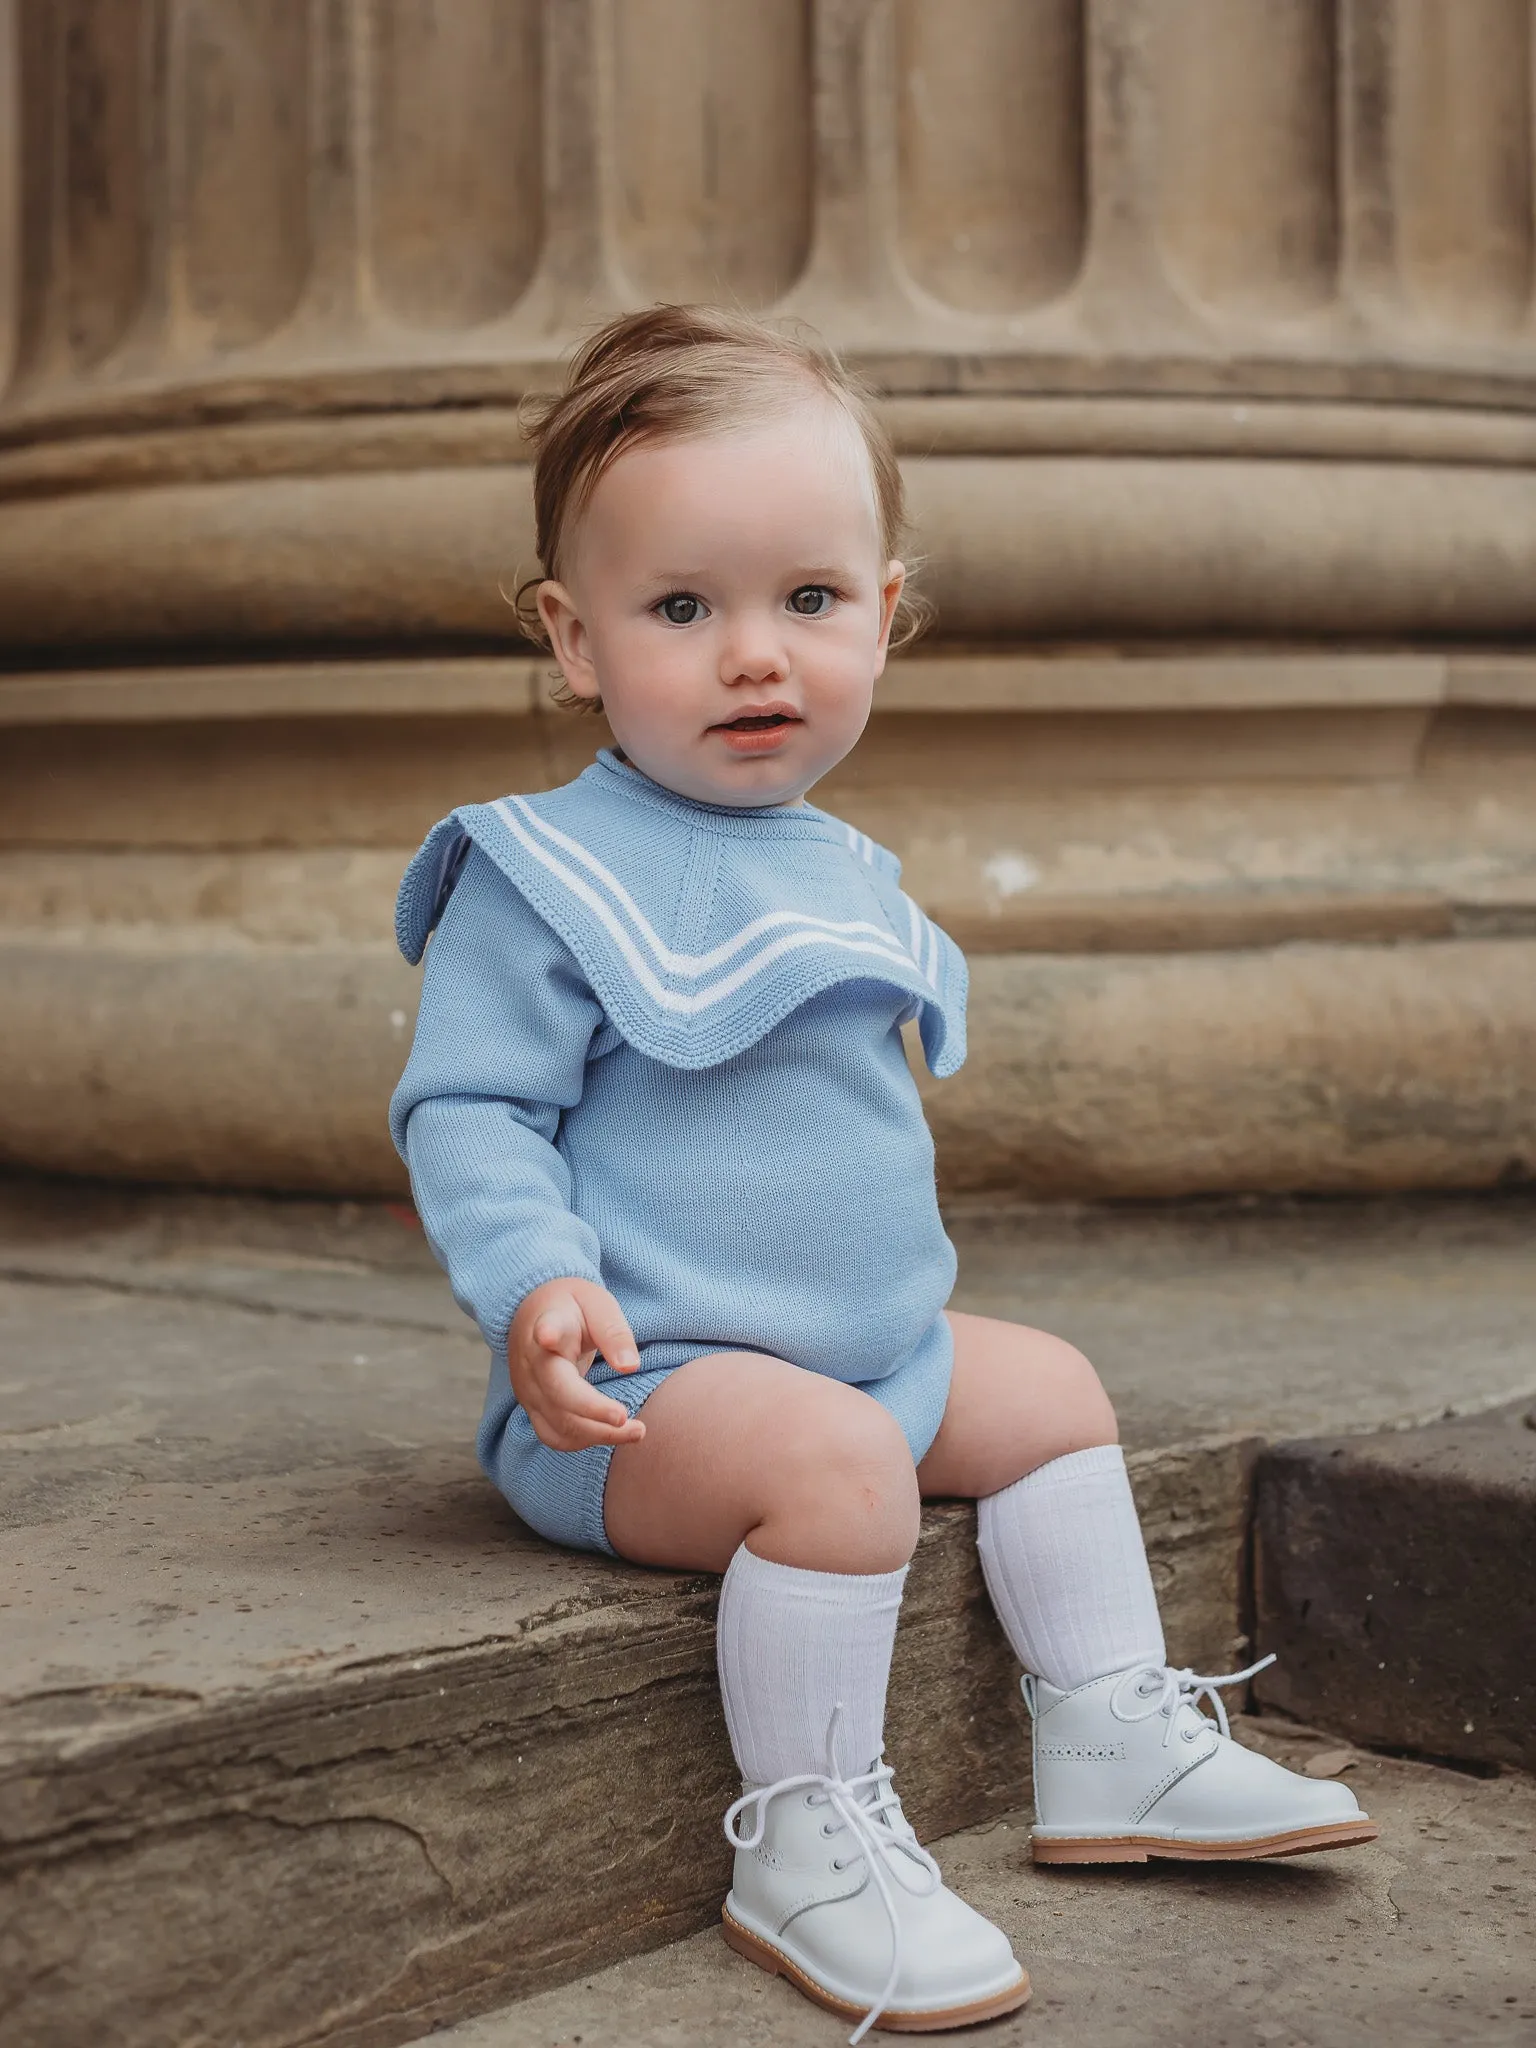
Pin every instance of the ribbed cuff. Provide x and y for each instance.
(497, 1332)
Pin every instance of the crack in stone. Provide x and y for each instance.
(357, 1820)
(38, 1276)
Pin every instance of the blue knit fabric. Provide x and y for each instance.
(659, 1047)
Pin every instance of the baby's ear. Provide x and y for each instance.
(569, 639)
(890, 597)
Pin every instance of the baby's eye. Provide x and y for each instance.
(811, 600)
(682, 608)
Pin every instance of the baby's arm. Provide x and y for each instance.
(501, 1043)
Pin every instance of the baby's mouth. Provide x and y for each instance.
(757, 721)
(762, 730)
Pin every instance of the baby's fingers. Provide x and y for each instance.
(566, 1429)
(561, 1329)
(576, 1413)
(579, 1434)
(607, 1330)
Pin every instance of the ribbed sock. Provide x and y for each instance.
(791, 1645)
(1064, 1561)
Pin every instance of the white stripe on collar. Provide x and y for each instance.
(535, 832)
(706, 998)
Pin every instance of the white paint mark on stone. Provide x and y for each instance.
(1011, 873)
(397, 1020)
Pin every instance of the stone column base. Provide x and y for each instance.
(1236, 921)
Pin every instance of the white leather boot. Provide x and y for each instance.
(833, 1891)
(1128, 1767)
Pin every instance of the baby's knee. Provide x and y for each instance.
(1083, 1413)
(849, 1474)
(863, 1447)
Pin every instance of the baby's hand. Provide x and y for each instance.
(551, 1344)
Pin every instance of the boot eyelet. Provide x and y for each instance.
(838, 1865)
(829, 1827)
(1190, 1734)
(813, 1799)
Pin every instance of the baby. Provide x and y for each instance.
(663, 1136)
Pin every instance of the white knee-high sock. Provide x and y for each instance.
(1064, 1561)
(791, 1645)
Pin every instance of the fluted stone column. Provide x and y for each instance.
(1205, 327)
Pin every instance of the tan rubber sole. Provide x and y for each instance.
(1344, 1834)
(777, 1964)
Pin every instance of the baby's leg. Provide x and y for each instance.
(740, 1448)
(1029, 1433)
(803, 1491)
(1018, 1398)
(1126, 1766)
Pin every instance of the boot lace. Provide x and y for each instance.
(1163, 1689)
(867, 1806)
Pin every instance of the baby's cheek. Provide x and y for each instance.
(651, 690)
(840, 693)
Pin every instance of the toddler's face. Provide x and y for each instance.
(729, 600)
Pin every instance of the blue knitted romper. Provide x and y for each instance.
(659, 1047)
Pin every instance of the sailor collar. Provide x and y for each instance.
(699, 927)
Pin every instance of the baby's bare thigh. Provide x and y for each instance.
(739, 1445)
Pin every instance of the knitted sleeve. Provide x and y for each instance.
(502, 1038)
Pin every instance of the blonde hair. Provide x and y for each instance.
(669, 373)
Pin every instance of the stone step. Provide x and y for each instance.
(303, 1738)
(1241, 917)
(1423, 1939)
(1395, 1576)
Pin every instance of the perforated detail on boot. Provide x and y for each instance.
(1081, 1752)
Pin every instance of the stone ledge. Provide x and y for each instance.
(323, 1848)
(1050, 546)
(936, 680)
(1049, 397)
(1396, 1579)
(1317, 1067)
(50, 456)
(303, 1738)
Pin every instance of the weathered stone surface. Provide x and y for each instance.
(401, 1841)
(1423, 1938)
(1395, 1576)
(303, 1738)
(194, 1746)
(1208, 1319)
(271, 1066)
(1303, 1067)
(1155, 210)
(1216, 948)
(1219, 442)
(1049, 546)
(1328, 1068)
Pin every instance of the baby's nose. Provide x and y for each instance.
(752, 654)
